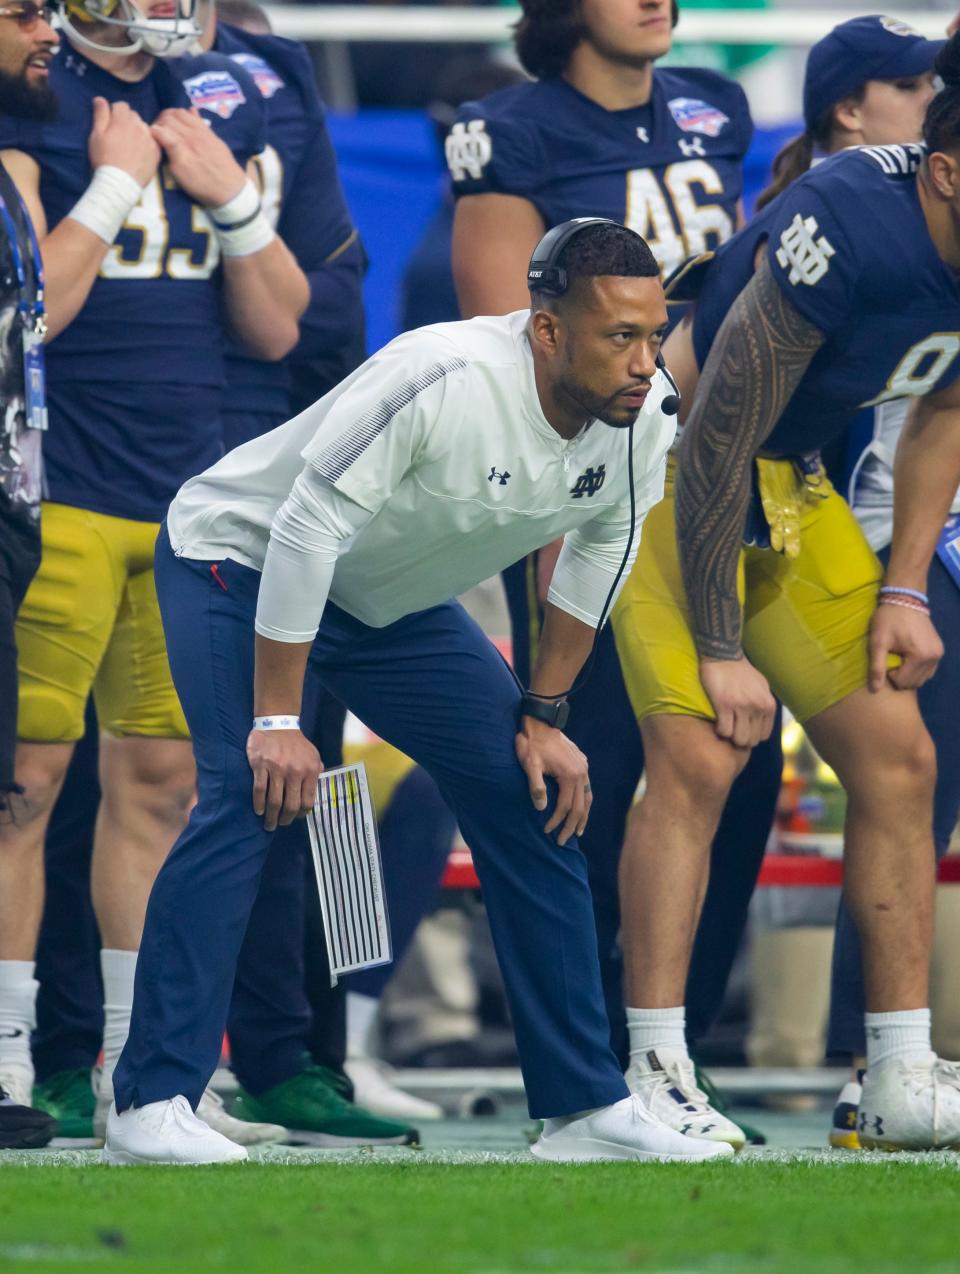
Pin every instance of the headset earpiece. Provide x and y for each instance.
(543, 272)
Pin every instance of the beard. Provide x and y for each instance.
(23, 100)
(611, 410)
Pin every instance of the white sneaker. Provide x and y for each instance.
(165, 1132)
(374, 1090)
(211, 1110)
(625, 1130)
(667, 1085)
(911, 1104)
(17, 1083)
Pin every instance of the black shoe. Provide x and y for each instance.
(24, 1127)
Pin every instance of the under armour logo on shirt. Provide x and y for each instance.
(643, 134)
(504, 477)
(692, 147)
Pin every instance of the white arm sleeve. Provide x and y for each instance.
(310, 530)
(591, 556)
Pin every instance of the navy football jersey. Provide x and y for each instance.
(671, 170)
(848, 243)
(304, 200)
(135, 383)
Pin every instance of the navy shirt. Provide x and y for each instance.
(849, 246)
(135, 383)
(671, 170)
(303, 198)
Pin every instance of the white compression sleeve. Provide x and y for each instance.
(585, 572)
(306, 538)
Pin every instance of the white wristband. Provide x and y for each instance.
(241, 224)
(276, 723)
(106, 203)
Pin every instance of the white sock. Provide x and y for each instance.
(119, 969)
(361, 1015)
(902, 1034)
(18, 1015)
(657, 1028)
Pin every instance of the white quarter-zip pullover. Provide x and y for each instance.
(429, 469)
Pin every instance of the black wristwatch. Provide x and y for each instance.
(554, 712)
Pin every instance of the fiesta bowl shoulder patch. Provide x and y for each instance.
(694, 116)
(264, 76)
(215, 91)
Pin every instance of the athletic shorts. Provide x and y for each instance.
(805, 621)
(91, 622)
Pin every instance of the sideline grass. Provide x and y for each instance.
(489, 1218)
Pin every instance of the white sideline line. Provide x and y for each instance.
(286, 1156)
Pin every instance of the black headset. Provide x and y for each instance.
(546, 275)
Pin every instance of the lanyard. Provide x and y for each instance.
(31, 314)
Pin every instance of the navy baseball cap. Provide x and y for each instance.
(871, 48)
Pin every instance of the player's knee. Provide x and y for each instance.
(900, 769)
(691, 767)
(912, 764)
(160, 776)
(40, 771)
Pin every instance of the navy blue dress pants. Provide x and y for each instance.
(434, 686)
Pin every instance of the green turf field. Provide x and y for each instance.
(491, 1214)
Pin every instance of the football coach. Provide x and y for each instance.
(329, 549)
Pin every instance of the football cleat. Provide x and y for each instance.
(715, 1097)
(374, 1090)
(911, 1104)
(165, 1132)
(625, 1130)
(244, 1132)
(843, 1132)
(69, 1097)
(22, 1126)
(665, 1083)
(314, 1114)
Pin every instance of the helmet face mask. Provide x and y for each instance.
(165, 37)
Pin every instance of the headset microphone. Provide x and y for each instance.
(670, 403)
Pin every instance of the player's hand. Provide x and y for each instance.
(546, 752)
(286, 768)
(898, 630)
(122, 139)
(741, 698)
(200, 162)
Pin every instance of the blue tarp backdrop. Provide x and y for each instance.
(391, 168)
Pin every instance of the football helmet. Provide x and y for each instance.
(173, 32)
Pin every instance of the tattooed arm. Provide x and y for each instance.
(756, 361)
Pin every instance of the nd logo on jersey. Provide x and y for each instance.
(468, 149)
(807, 257)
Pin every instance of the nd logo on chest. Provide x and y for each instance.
(589, 482)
